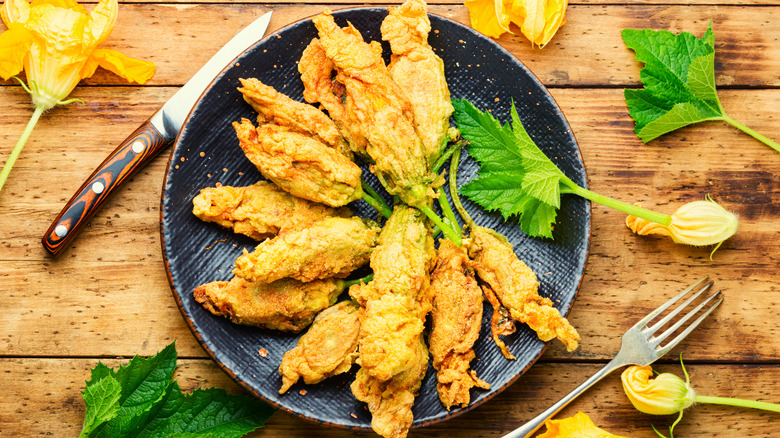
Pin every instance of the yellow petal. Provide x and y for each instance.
(64, 4)
(15, 11)
(578, 426)
(501, 15)
(126, 67)
(101, 22)
(665, 394)
(533, 25)
(539, 20)
(89, 68)
(515, 10)
(487, 16)
(58, 29)
(555, 17)
(14, 44)
(57, 53)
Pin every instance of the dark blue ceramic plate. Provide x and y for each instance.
(207, 153)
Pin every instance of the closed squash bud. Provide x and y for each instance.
(665, 395)
(696, 223)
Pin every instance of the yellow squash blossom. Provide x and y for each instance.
(488, 17)
(578, 426)
(696, 223)
(538, 20)
(666, 394)
(55, 43)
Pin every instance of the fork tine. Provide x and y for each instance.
(656, 340)
(687, 331)
(679, 309)
(635, 349)
(666, 305)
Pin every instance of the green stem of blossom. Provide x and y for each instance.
(447, 154)
(374, 200)
(19, 145)
(454, 188)
(446, 208)
(450, 228)
(449, 233)
(742, 403)
(752, 133)
(363, 280)
(570, 187)
(443, 159)
(774, 407)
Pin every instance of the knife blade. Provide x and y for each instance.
(159, 131)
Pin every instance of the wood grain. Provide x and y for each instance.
(345, 3)
(587, 51)
(43, 395)
(107, 297)
(110, 290)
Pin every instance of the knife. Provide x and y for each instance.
(148, 140)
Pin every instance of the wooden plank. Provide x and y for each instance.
(456, 2)
(345, 3)
(108, 295)
(42, 396)
(625, 270)
(588, 50)
(113, 278)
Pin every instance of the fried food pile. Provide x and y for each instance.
(371, 108)
(395, 117)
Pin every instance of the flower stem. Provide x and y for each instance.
(364, 280)
(19, 145)
(569, 186)
(447, 154)
(774, 407)
(373, 199)
(446, 229)
(454, 189)
(752, 133)
(448, 213)
(443, 158)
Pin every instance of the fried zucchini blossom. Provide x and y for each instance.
(371, 106)
(331, 247)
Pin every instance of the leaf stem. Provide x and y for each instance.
(774, 407)
(752, 133)
(374, 200)
(20, 144)
(571, 187)
(449, 233)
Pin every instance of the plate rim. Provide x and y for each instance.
(189, 320)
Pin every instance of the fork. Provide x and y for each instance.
(640, 346)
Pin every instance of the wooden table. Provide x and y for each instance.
(107, 298)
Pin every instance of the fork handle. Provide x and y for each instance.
(528, 429)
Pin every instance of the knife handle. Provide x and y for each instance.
(135, 152)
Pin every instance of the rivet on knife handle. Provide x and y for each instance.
(135, 152)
